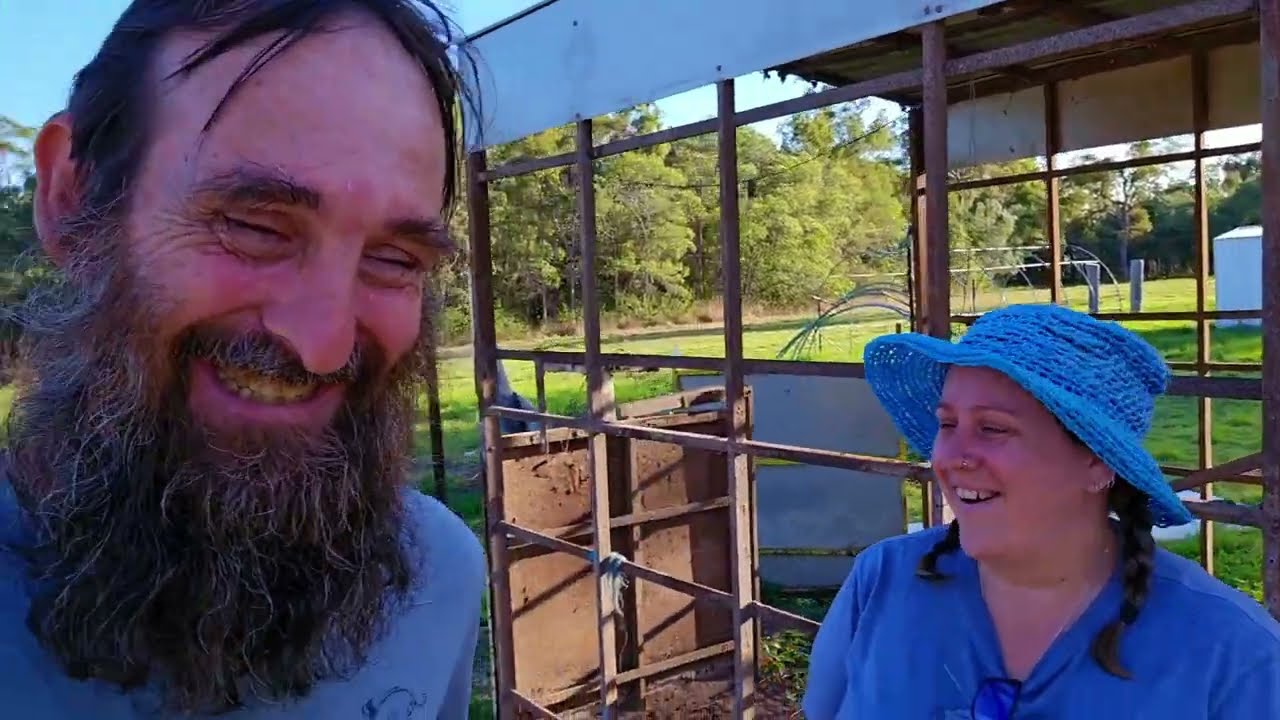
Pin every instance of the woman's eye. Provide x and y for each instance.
(992, 429)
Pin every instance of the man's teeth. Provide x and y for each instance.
(252, 386)
(969, 495)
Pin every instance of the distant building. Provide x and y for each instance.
(1237, 269)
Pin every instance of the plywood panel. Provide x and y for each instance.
(553, 595)
(694, 547)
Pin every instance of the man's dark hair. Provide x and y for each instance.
(111, 110)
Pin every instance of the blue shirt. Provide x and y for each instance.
(894, 645)
(421, 670)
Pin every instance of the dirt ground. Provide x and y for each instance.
(702, 694)
(772, 703)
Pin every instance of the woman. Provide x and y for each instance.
(1033, 602)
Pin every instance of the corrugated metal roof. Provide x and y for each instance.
(1010, 23)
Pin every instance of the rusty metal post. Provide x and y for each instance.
(1269, 11)
(937, 243)
(540, 383)
(435, 422)
(1200, 124)
(937, 237)
(1053, 208)
(599, 402)
(918, 266)
(740, 509)
(485, 352)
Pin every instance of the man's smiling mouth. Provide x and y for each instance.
(257, 387)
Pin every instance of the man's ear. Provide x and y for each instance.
(57, 186)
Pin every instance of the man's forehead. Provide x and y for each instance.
(350, 33)
(352, 58)
(334, 110)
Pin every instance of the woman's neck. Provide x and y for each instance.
(1034, 597)
(1084, 558)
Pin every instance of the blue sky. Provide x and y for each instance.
(44, 42)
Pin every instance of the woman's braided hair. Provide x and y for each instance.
(1138, 549)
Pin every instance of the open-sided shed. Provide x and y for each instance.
(984, 81)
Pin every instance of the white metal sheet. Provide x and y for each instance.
(996, 128)
(1144, 102)
(1136, 103)
(1235, 86)
(584, 58)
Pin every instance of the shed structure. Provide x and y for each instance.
(1237, 263)
(983, 80)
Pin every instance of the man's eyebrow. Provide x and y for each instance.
(429, 232)
(255, 186)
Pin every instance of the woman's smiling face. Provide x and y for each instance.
(1008, 468)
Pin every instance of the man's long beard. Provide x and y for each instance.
(219, 566)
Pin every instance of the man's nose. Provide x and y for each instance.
(318, 322)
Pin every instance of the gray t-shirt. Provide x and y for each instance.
(421, 670)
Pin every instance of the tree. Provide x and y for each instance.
(15, 151)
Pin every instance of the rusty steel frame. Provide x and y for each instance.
(931, 314)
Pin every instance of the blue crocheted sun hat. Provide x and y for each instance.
(1098, 378)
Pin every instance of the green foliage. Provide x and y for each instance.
(819, 210)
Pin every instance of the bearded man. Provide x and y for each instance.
(205, 508)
